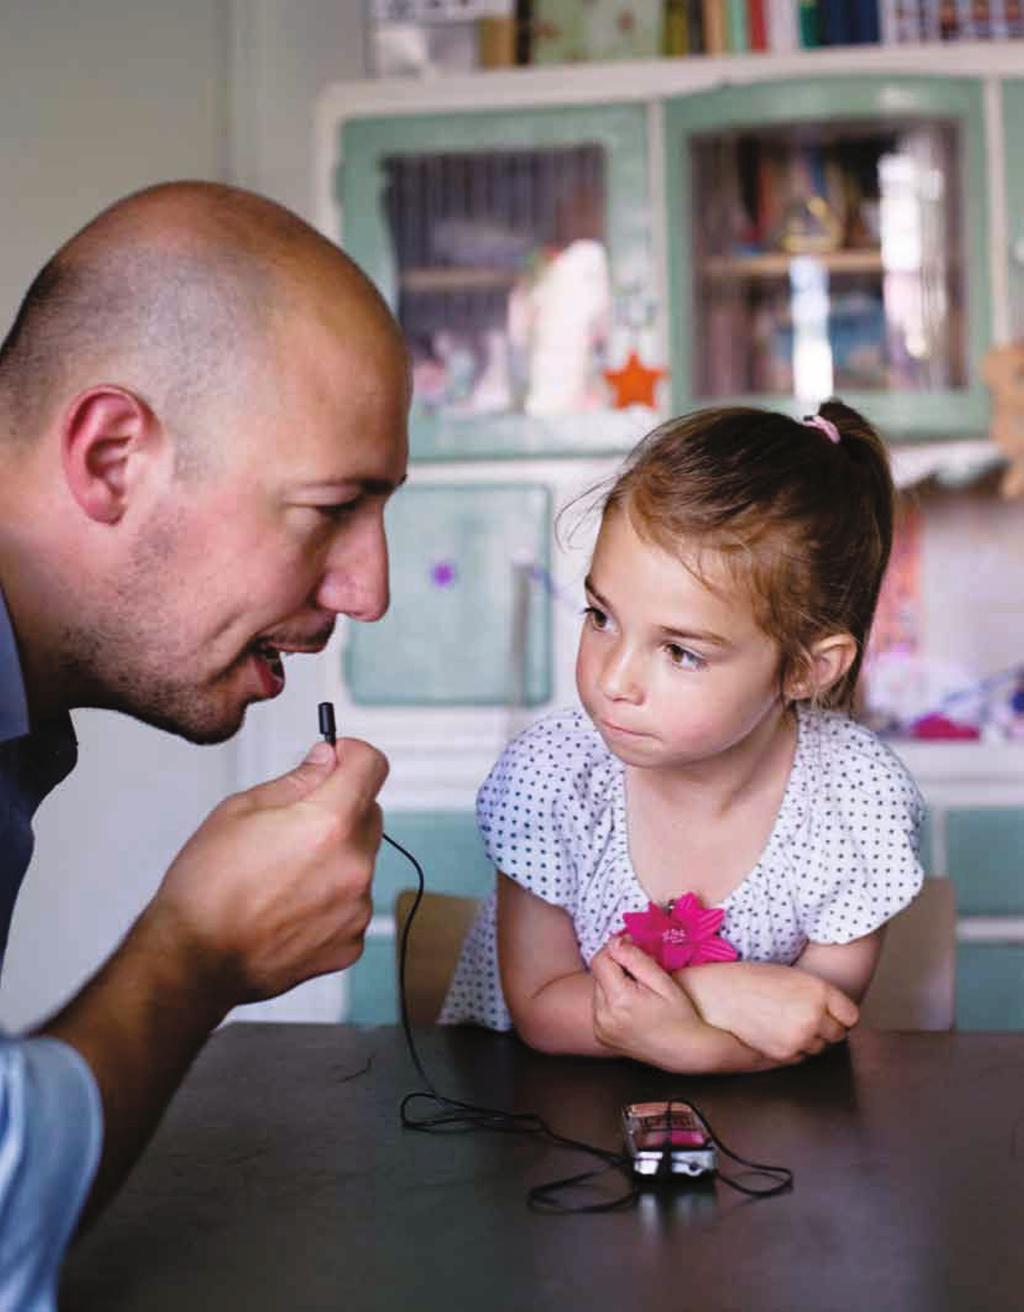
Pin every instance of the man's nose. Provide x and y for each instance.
(355, 580)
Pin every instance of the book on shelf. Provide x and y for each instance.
(675, 38)
(783, 29)
(737, 30)
(716, 32)
(808, 23)
(556, 31)
(835, 22)
(757, 24)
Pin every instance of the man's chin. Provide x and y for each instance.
(203, 731)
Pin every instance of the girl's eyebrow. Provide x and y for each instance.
(687, 635)
(588, 584)
(690, 635)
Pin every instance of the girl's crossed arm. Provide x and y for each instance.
(627, 1006)
(784, 1010)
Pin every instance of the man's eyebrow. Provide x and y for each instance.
(687, 635)
(381, 487)
(377, 487)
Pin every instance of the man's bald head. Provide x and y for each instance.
(178, 293)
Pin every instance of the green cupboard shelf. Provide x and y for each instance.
(516, 250)
(838, 227)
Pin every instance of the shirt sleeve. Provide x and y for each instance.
(51, 1131)
(866, 838)
(521, 812)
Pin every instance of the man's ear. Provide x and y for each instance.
(826, 662)
(108, 432)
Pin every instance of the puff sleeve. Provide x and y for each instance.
(865, 830)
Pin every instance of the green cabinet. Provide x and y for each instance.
(829, 236)
(470, 619)
(516, 250)
(985, 859)
(797, 237)
(1013, 116)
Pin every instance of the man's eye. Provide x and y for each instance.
(336, 511)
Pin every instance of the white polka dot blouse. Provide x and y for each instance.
(842, 857)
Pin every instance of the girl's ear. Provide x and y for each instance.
(826, 661)
(107, 437)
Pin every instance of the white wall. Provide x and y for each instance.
(97, 100)
(283, 53)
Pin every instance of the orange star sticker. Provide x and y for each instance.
(634, 383)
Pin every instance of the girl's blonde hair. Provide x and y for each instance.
(804, 522)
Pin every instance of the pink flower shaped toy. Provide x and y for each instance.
(687, 935)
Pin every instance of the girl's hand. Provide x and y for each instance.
(639, 1009)
(781, 1011)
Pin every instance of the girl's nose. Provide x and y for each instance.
(620, 678)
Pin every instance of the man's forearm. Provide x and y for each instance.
(138, 1023)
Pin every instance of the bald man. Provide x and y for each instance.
(202, 414)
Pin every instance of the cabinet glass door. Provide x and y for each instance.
(515, 251)
(830, 242)
(1013, 116)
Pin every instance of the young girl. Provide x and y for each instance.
(729, 598)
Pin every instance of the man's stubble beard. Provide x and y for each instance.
(121, 655)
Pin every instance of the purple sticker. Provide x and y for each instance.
(443, 573)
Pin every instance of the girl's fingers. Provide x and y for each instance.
(844, 1009)
(607, 974)
(830, 1030)
(643, 969)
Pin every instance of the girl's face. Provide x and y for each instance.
(673, 672)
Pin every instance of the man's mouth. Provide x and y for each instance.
(269, 654)
(269, 665)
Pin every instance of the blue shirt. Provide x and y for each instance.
(51, 1120)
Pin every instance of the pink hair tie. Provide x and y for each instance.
(826, 426)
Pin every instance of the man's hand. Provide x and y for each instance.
(274, 888)
(781, 1011)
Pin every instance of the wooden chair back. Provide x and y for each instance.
(913, 988)
(435, 939)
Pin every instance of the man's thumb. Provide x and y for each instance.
(298, 783)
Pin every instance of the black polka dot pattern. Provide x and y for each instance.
(842, 857)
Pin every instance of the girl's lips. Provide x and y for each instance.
(618, 729)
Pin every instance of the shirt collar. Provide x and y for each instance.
(14, 721)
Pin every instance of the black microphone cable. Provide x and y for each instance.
(453, 1115)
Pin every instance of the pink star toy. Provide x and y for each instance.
(686, 935)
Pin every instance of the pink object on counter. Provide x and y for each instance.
(938, 727)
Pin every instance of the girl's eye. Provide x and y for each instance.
(596, 618)
(683, 658)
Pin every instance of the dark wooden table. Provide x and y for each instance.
(281, 1179)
